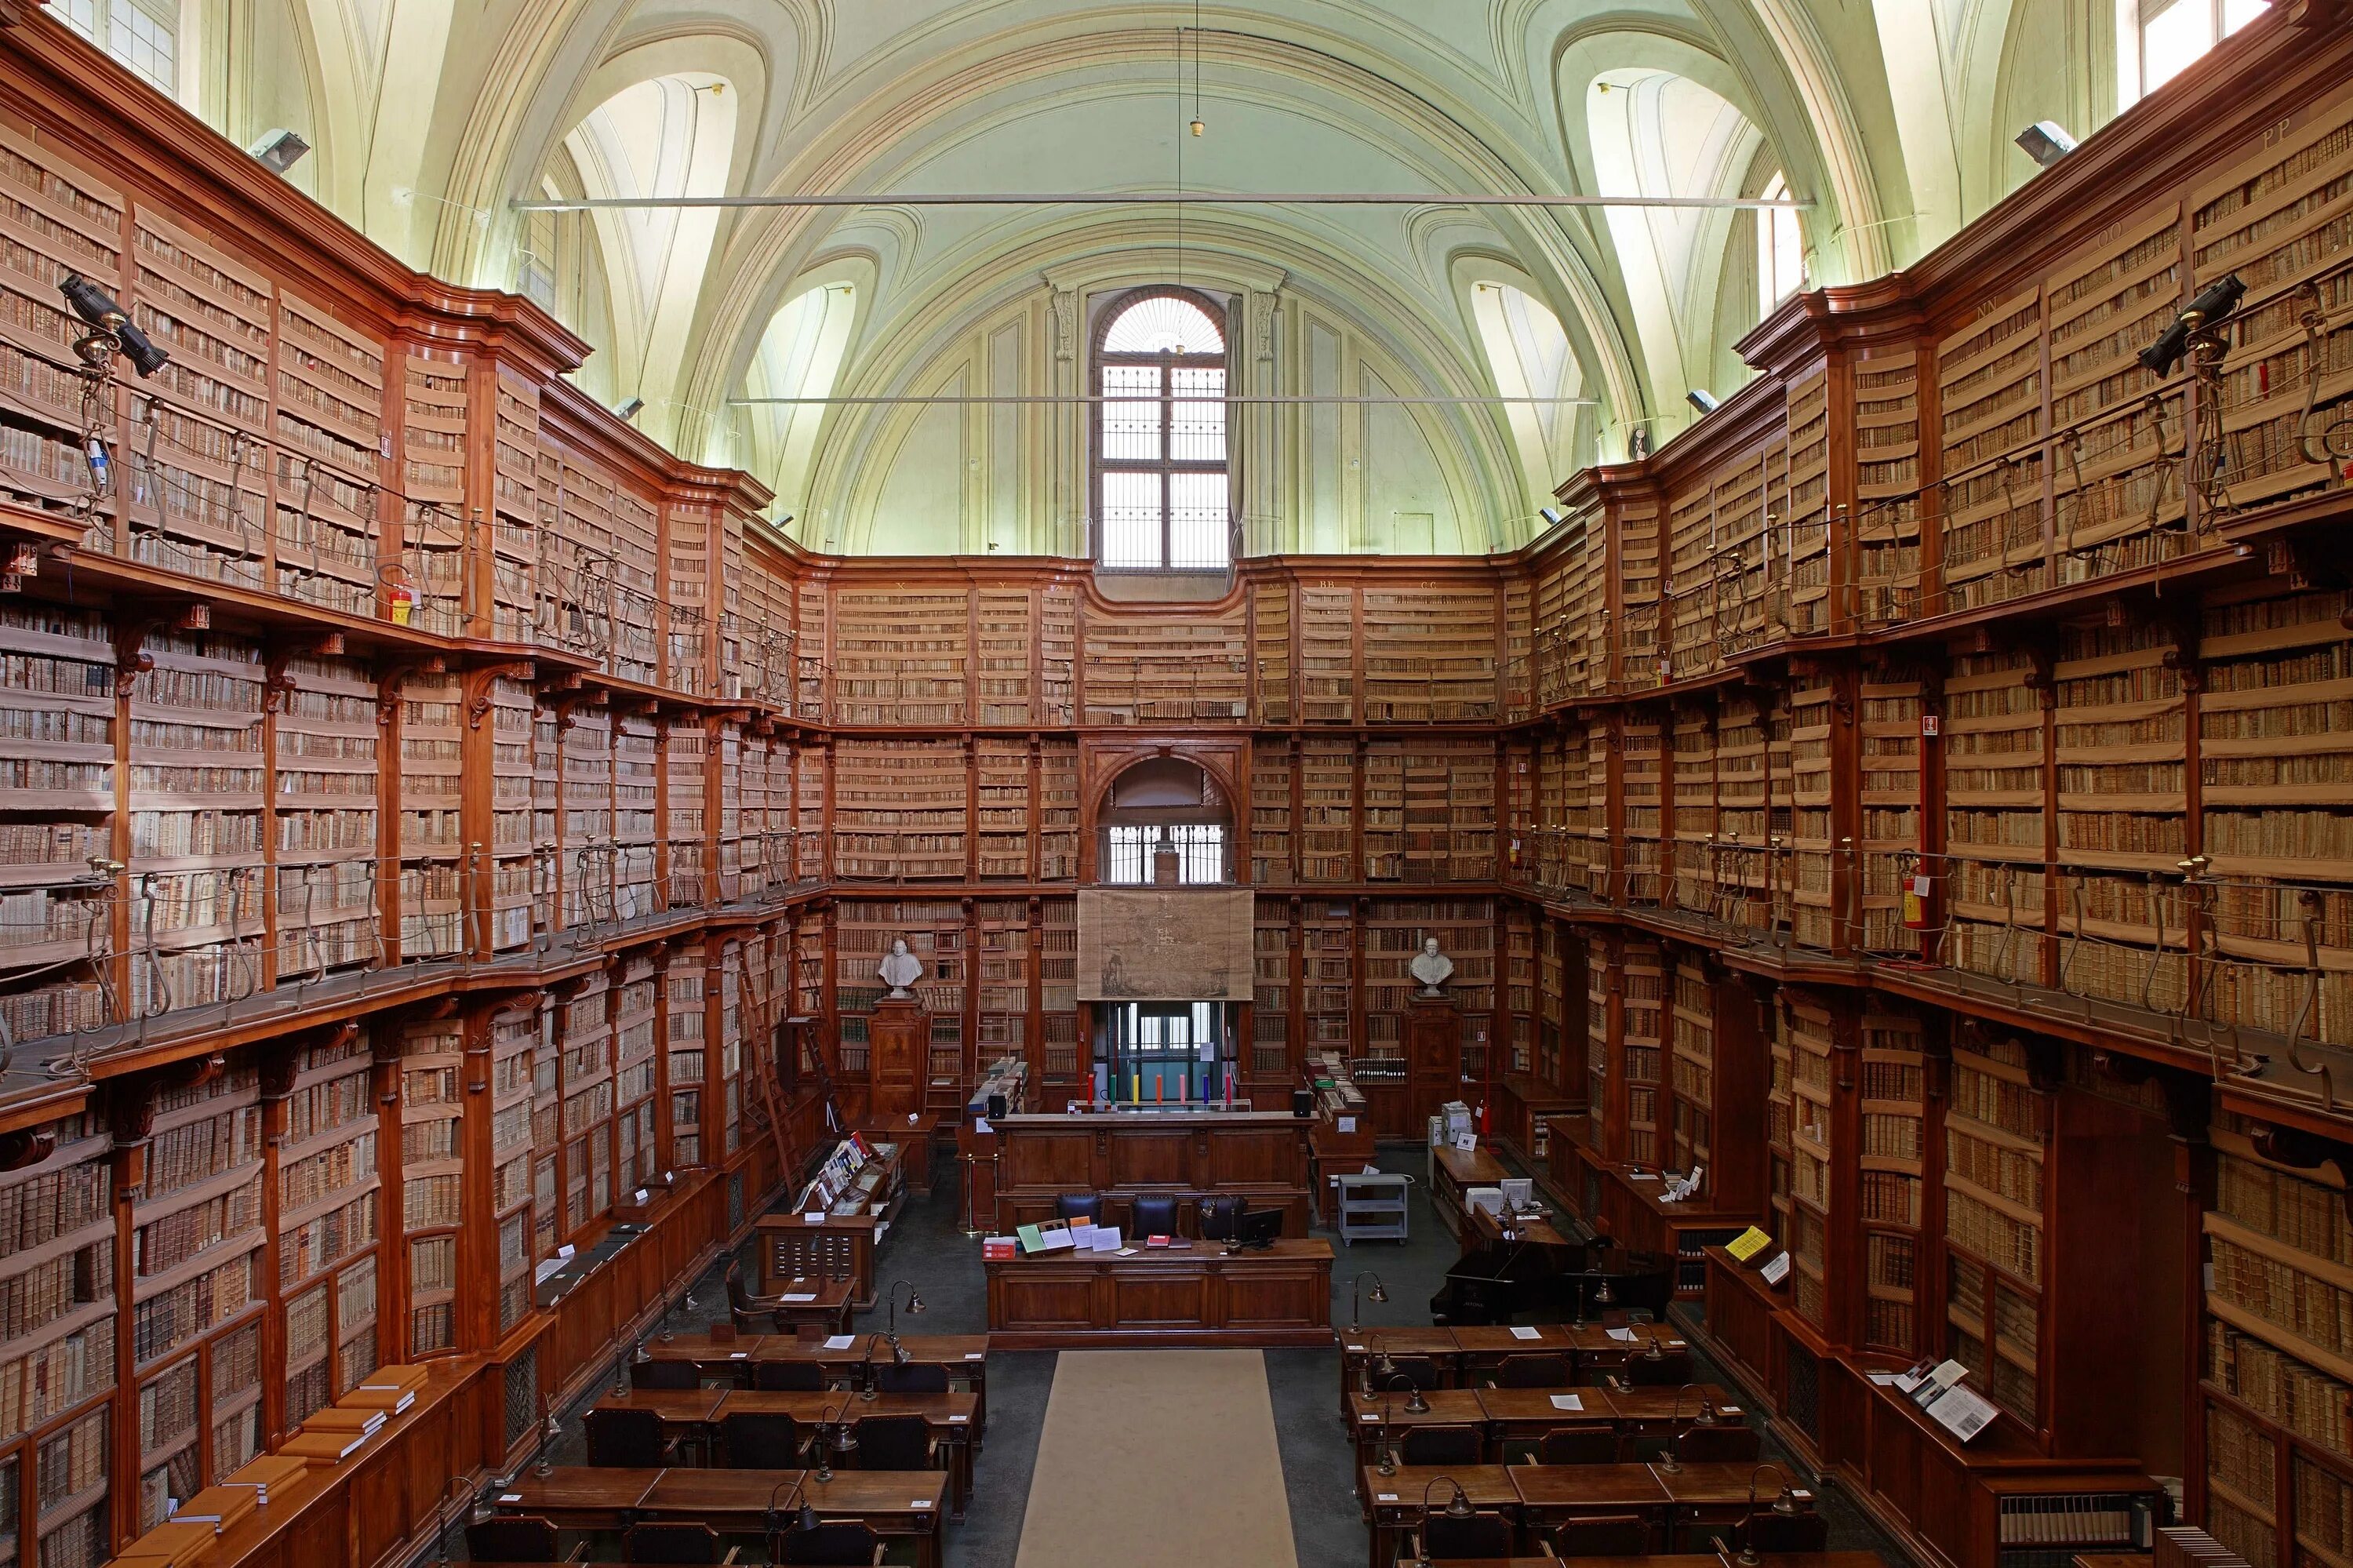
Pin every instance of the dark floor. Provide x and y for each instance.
(928, 1249)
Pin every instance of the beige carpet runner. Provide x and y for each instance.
(1157, 1459)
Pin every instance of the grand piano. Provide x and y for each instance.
(1526, 1268)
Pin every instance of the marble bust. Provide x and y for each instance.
(901, 968)
(1431, 967)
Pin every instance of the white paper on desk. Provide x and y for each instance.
(1777, 1270)
(1347, 1124)
(1623, 1336)
(1882, 1379)
(980, 1124)
(1641, 1176)
(815, 1219)
(1527, 1333)
(799, 1295)
(1125, 1252)
(1104, 1238)
(1567, 1402)
(839, 1341)
(1467, 1142)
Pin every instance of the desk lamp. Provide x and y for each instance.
(1380, 1296)
(891, 1301)
(1414, 1404)
(1785, 1505)
(1706, 1417)
(769, 1516)
(1457, 1506)
(441, 1517)
(1387, 1465)
(548, 1433)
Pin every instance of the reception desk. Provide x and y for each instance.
(1257, 1156)
(1187, 1294)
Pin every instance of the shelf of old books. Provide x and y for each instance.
(1001, 799)
(1641, 758)
(71, 1486)
(2117, 497)
(1644, 985)
(1891, 1160)
(1780, 1125)
(1600, 852)
(2279, 1447)
(1994, 817)
(1997, 1128)
(514, 843)
(2118, 740)
(1887, 734)
(742, 848)
(1159, 671)
(57, 760)
(1558, 769)
(1515, 677)
(1600, 970)
(328, 420)
(636, 776)
(1002, 998)
(1817, 861)
(1058, 809)
(863, 933)
(637, 1026)
(1885, 386)
(2276, 220)
(1327, 808)
(546, 817)
(433, 544)
(685, 750)
(1058, 986)
(898, 658)
(585, 1044)
(434, 864)
(937, 936)
(56, 1321)
(813, 796)
(1430, 655)
(1327, 973)
(690, 535)
(637, 611)
(1798, 532)
(1742, 864)
(1272, 985)
(1001, 639)
(323, 797)
(59, 219)
(587, 851)
(1270, 652)
(198, 787)
(1381, 795)
(1990, 390)
(1057, 654)
(1687, 641)
(899, 811)
(2276, 799)
(1271, 814)
(727, 977)
(517, 599)
(686, 1041)
(330, 1222)
(1327, 667)
(195, 1260)
(1692, 825)
(1807, 1038)
(432, 1178)
(1691, 1022)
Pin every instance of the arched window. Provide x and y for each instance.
(1162, 490)
(1781, 252)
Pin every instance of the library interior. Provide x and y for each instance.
(740, 739)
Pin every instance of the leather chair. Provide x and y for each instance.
(671, 1542)
(525, 1538)
(1672, 1370)
(916, 1377)
(1445, 1540)
(665, 1374)
(1152, 1214)
(630, 1439)
(1578, 1446)
(760, 1441)
(789, 1377)
(1778, 1533)
(1221, 1216)
(1087, 1206)
(844, 1543)
(1444, 1444)
(1717, 1446)
(895, 1442)
(752, 1314)
(1607, 1535)
(1421, 1372)
(1532, 1372)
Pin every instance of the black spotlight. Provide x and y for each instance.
(2215, 301)
(97, 308)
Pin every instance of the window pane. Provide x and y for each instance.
(2171, 41)
(1163, 325)
(2237, 14)
(145, 44)
(1131, 431)
(1199, 431)
(1131, 520)
(1128, 857)
(1196, 524)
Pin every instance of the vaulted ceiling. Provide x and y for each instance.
(431, 119)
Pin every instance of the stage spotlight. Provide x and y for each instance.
(279, 150)
(1701, 399)
(98, 309)
(2213, 302)
(2045, 142)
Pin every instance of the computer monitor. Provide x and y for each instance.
(1518, 1193)
(1258, 1227)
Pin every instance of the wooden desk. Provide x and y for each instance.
(1397, 1499)
(1448, 1407)
(1480, 1348)
(1527, 1230)
(1519, 1415)
(826, 1310)
(1597, 1351)
(1358, 1346)
(894, 1502)
(1453, 1173)
(1196, 1294)
(1260, 1155)
(837, 1247)
(905, 1503)
(1705, 1498)
(695, 1416)
(965, 1357)
(582, 1497)
(1551, 1494)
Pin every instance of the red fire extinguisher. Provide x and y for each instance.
(401, 600)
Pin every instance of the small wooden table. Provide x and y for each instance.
(1597, 1350)
(893, 1502)
(1551, 1494)
(1358, 1346)
(1453, 1173)
(965, 1357)
(1481, 1348)
(822, 1304)
(1701, 1496)
(1397, 1500)
(695, 1415)
(1198, 1293)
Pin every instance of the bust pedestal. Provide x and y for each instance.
(1433, 1058)
(897, 1046)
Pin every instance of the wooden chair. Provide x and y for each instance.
(1578, 1446)
(1152, 1214)
(1087, 1206)
(844, 1543)
(1442, 1445)
(626, 1438)
(895, 1442)
(789, 1377)
(665, 1374)
(673, 1543)
(1532, 1372)
(1442, 1539)
(525, 1538)
(753, 1314)
(1421, 1372)
(916, 1377)
(1608, 1535)
(757, 1440)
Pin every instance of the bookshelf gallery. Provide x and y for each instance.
(1920, 796)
